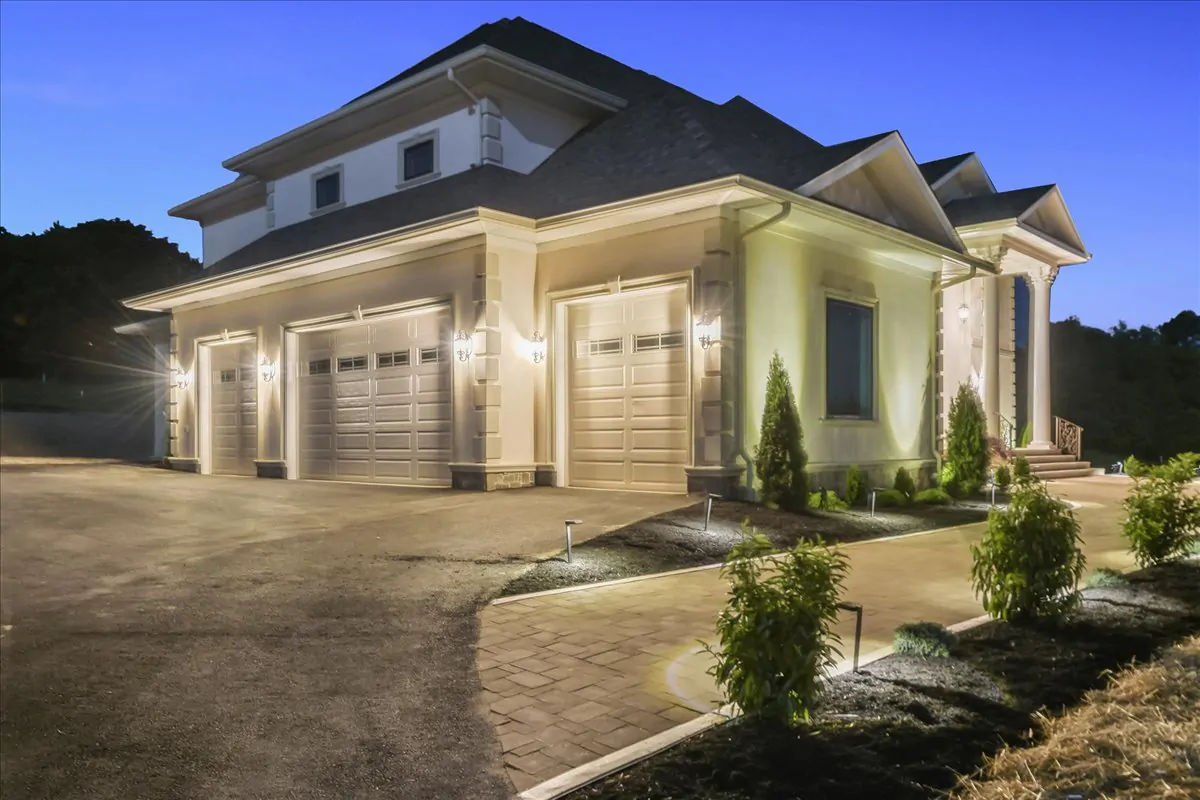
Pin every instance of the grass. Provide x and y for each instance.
(1130, 740)
(1105, 578)
(924, 639)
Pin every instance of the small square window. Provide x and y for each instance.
(327, 190)
(352, 364)
(398, 358)
(319, 367)
(419, 160)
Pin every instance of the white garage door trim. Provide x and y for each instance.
(363, 426)
(562, 374)
(207, 399)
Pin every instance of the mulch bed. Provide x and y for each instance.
(677, 539)
(907, 727)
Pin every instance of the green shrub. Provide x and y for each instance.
(925, 639)
(1021, 470)
(1026, 435)
(826, 501)
(1029, 561)
(1105, 578)
(779, 459)
(967, 450)
(1004, 477)
(1162, 519)
(1136, 468)
(776, 631)
(935, 496)
(904, 483)
(856, 487)
(890, 498)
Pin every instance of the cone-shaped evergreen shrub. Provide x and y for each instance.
(967, 444)
(779, 459)
(856, 486)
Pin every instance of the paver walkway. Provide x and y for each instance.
(573, 676)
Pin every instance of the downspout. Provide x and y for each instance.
(450, 76)
(939, 287)
(739, 291)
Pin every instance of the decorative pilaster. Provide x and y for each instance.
(991, 354)
(1040, 278)
(491, 149)
(486, 392)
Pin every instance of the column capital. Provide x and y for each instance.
(994, 253)
(1042, 274)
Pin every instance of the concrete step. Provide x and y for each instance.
(1059, 466)
(1026, 452)
(1056, 474)
(1049, 459)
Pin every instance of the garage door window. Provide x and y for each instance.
(352, 364)
(657, 341)
(319, 367)
(399, 358)
(588, 348)
(432, 355)
(228, 376)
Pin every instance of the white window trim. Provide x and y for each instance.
(340, 170)
(856, 300)
(420, 138)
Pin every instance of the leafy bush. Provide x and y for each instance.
(904, 483)
(1004, 477)
(1021, 470)
(1105, 578)
(890, 498)
(925, 639)
(1026, 435)
(1029, 561)
(1161, 518)
(779, 458)
(777, 628)
(967, 450)
(935, 496)
(1136, 468)
(856, 487)
(826, 501)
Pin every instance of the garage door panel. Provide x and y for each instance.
(385, 396)
(431, 442)
(233, 411)
(676, 440)
(659, 406)
(599, 440)
(610, 376)
(667, 374)
(610, 409)
(598, 471)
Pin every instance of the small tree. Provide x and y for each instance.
(1003, 477)
(1029, 561)
(776, 630)
(967, 450)
(856, 487)
(779, 458)
(1162, 520)
(904, 483)
(1021, 470)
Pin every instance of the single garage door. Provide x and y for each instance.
(374, 401)
(234, 408)
(628, 389)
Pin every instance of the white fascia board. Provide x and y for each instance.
(1056, 194)
(971, 158)
(198, 207)
(1056, 251)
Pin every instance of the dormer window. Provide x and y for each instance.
(327, 189)
(419, 159)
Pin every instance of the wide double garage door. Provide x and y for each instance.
(628, 391)
(374, 401)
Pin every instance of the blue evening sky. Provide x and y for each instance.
(125, 109)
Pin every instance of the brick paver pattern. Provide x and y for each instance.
(574, 676)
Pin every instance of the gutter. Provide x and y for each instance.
(739, 291)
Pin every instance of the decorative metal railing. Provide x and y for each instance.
(1008, 433)
(1068, 437)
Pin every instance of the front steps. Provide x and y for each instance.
(1049, 464)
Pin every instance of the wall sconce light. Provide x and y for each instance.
(706, 331)
(462, 345)
(266, 370)
(537, 347)
(183, 379)
(964, 312)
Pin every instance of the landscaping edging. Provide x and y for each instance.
(1161, 615)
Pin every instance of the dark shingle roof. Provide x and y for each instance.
(933, 171)
(992, 207)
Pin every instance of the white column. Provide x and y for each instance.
(1040, 281)
(991, 354)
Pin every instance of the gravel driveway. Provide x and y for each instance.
(174, 636)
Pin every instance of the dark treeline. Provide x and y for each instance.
(1134, 390)
(61, 291)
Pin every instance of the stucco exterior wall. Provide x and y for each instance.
(224, 237)
(447, 277)
(787, 283)
(531, 132)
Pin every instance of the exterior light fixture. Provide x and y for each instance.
(964, 312)
(537, 347)
(183, 379)
(266, 370)
(462, 345)
(706, 331)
